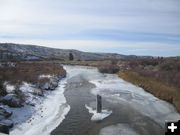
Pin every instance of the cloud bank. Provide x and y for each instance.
(142, 27)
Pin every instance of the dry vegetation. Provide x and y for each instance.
(158, 89)
(165, 70)
(111, 68)
(27, 72)
(160, 76)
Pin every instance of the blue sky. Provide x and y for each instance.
(141, 27)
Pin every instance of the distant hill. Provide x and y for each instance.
(10, 51)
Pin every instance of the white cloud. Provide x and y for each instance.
(26, 16)
(33, 19)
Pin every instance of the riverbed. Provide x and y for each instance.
(134, 111)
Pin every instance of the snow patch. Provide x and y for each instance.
(10, 88)
(21, 114)
(26, 87)
(47, 114)
(45, 76)
(98, 116)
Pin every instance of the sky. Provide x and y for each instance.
(139, 27)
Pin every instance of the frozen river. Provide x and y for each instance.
(133, 111)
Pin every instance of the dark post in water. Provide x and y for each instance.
(99, 104)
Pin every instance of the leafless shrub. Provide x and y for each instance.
(111, 69)
(28, 72)
(166, 70)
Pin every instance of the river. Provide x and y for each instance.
(134, 111)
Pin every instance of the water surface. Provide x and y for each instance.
(134, 111)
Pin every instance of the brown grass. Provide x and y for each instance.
(28, 72)
(111, 69)
(157, 88)
(165, 70)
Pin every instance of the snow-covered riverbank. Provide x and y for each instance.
(48, 113)
(140, 110)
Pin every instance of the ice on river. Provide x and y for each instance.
(119, 129)
(47, 116)
(118, 90)
(98, 116)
